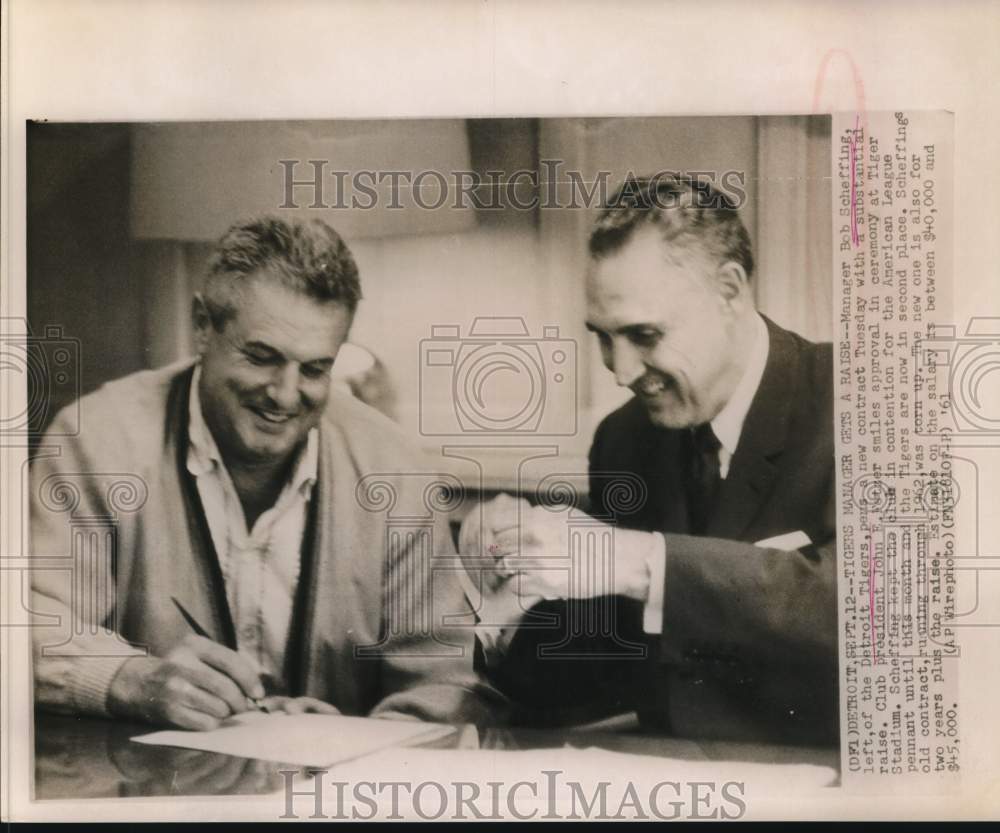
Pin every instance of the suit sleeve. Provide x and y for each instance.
(76, 652)
(766, 606)
(749, 642)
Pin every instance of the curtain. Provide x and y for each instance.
(794, 224)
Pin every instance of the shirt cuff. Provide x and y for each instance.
(656, 563)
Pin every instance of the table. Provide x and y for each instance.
(83, 757)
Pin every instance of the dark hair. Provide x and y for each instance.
(690, 214)
(308, 257)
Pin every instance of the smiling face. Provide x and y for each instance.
(265, 377)
(675, 333)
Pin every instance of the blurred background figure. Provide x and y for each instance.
(363, 374)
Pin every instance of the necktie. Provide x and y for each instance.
(702, 476)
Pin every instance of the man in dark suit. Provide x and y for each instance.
(702, 592)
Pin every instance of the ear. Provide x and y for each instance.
(201, 323)
(733, 283)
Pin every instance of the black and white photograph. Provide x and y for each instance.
(517, 425)
(556, 413)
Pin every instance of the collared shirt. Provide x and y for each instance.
(260, 566)
(727, 425)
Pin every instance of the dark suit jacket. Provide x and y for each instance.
(748, 647)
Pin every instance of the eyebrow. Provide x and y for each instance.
(259, 345)
(267, 348)
(325, 361)
(628, 328)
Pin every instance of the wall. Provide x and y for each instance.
(80, 254)
(121, 219)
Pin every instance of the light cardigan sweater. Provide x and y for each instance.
(381, 621)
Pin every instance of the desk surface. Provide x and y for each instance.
(78, 757)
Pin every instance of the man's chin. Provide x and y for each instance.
(663, 416)
(266, 447)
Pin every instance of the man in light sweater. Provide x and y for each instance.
(219, 544)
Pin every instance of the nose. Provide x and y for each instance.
(626, 363)
(284, 387)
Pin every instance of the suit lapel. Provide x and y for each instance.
(754, 466)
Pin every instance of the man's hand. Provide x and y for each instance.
(196, 686)
(297, 705)
(599, 560)
(478, 539)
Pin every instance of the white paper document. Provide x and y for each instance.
(300, 739)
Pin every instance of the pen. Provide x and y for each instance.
(192, 622)
(255, 702)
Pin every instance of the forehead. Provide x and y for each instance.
(641, 281)
(274, 314)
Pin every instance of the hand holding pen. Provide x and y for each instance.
(272, 702)
(197, 685)
(252, 702)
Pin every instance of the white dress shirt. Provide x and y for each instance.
(260, 566)
(727, 426)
